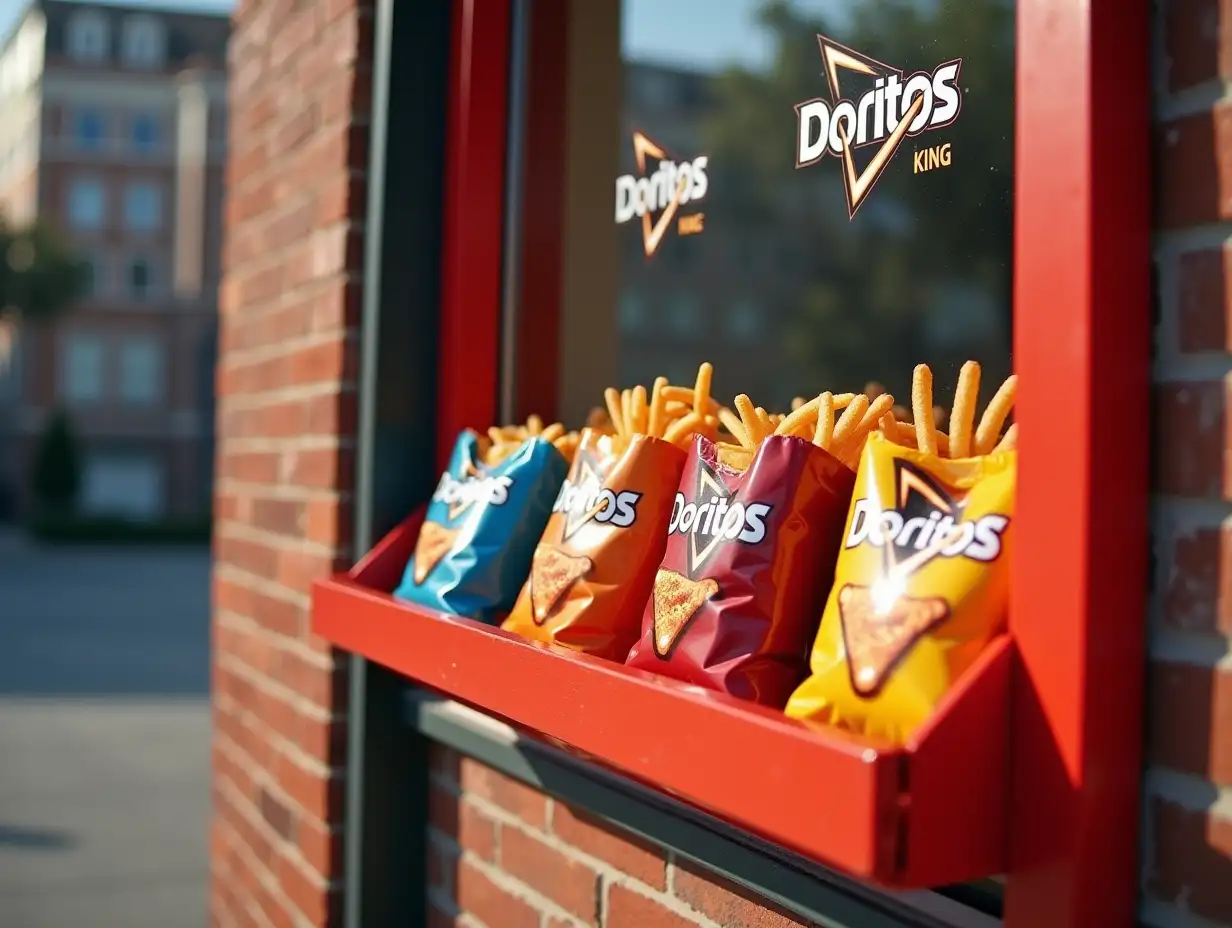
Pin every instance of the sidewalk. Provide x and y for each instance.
(104, 734)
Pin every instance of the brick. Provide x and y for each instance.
(1203, 304)
(319, 795)
(627, 909)
(478, 896)
(319, 904)
(568, 882)
(277, 815)
(525, 803)
(1190, 720)
(723, 902)
(623, 852)
(442, 864)
(1192, 435)
(1198, 42)
(320, 846)
(1198, 593)
(1194, 169)
(1189, 862)
(444, 761)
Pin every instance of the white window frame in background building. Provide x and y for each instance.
(87, 203)
(144, 42)
(81, 370)
(142, 370)
(143, 206)
(131, 484)
(88, 36)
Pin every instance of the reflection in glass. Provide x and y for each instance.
(922, 272)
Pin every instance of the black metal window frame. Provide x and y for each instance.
(391, 723)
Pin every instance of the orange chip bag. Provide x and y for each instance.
(921, 586)
(595, 565)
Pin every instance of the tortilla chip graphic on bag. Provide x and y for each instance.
(676, 599)
(552, 573)
(877, 639)
(433, 544)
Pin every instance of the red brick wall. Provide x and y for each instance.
(286, 419)
(509, 857)
(1187, 841)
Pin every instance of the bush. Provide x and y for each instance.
(56, 479)
(66, 528)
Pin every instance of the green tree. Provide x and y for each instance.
(40, 276)
(56, 477)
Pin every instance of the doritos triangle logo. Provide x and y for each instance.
(460, 494)
(714, 518)
(925, 515)
(892, 110)
(584, 498)
(662, 187)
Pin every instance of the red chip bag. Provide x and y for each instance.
(749, 560)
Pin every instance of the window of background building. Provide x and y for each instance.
(143, 42)
(89, 129)
(143, 207)
(87, 203)
(140, 279)
(743, 321)
(632, 312)
(143, 132)
(141, 370)
(88, 36)
(81, 368)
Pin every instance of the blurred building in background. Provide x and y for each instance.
(114, 130)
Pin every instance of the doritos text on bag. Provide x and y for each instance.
(749, 560)
(595, 563)
(475, 547)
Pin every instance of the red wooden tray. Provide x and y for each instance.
(927, 814)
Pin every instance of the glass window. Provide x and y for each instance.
(141, 370)
(89, 129)
(88, 36)
(143, 205)
(81, 368)
(144, 132)
(87, 203)
(140, 280)
(817, 194)
(143, 42)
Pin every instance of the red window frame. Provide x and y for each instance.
(1082, 349)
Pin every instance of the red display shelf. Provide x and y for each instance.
(929, 813)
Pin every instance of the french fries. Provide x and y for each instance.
(502, 441)
(964, 437)
(671, 413)
(837, 423)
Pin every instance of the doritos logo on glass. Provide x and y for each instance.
(475, 547)
(594, 567)
(746, 566)
(920, 588)
(890, 109)
(662, 187)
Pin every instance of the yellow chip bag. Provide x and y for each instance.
(921, 587)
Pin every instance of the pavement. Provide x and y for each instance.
(104, 737)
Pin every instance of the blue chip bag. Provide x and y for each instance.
(479, 534)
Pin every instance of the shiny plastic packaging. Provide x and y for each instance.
(920, 589)
(748, 563)
(595, 564)
(475, 547)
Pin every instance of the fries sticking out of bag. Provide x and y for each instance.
(838, 423)
(671, 413)
(502, 441)
(964, 437)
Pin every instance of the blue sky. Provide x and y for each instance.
(696, 33)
